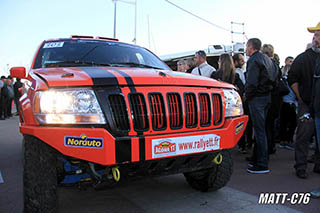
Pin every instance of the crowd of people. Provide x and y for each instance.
(9, 93)
(282, 103)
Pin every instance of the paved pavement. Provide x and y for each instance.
(163, 194)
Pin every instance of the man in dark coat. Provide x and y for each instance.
(3, 99)
(258, 94)
(17, 94)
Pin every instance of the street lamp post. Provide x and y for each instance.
(8, 70)
(135, 22)
(115, 18)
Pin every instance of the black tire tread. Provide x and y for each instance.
(214, 178)
(39, 176)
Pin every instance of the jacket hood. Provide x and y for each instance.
(122, 76)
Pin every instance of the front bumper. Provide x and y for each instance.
(97, 145)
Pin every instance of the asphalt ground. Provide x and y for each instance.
(163, 194)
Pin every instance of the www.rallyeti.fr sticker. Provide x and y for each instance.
(83, 141)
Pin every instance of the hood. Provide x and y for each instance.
(122, 76)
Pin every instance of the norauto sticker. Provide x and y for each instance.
(239, 127)
(83, 141)
(184, 145)
(53, 44)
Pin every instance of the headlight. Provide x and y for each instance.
(233, 103)
(67, 106)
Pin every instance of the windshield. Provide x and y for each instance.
(95, 53)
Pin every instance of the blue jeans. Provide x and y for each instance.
(258, 107)
(317, 123)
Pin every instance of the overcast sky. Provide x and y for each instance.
(26, 23)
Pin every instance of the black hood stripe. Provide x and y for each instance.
(132, 90)
(128, 79)
(101, 76)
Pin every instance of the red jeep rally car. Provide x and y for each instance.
(101, 111)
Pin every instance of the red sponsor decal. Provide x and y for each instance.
(165, 147)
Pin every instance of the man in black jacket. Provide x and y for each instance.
(17, 94)
(3, 99)
(300, 78)
(257, 92)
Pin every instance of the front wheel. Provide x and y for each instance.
(39, 176)
(213, 178)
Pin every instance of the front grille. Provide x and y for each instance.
(217, 109)
(175, 110)
(119, 112)
(158, 114)
(191, 110)
(149, 111)
(205, 110)
(139, 112)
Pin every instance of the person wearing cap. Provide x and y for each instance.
(316, 95)
(301, 79)
(202, 67)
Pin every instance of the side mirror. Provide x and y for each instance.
(18, 72)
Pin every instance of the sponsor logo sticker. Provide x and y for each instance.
(184, 145)
(165, 146)
(83, 141)
(239, 127)
(53, 44)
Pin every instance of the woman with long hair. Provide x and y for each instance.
(227, 72)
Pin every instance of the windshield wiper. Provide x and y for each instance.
(131, 64)
(72, 63)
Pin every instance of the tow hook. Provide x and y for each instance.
(116, 174)
(217, 159)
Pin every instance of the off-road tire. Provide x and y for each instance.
(213, 178)
(39, 176)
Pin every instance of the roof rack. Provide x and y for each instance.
(106, 38)
(80, 36)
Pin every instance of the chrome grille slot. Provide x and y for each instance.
(119, 112)
(191, 110)
(205, 110)
(158, 115)
(175, 110)
(139, 112)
